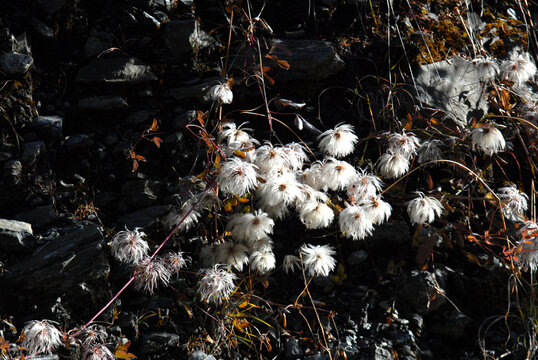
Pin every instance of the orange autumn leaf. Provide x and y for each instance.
(121, 352)
(154, 125)
(157, 141)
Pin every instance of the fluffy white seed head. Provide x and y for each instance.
(405, 144)
(363, 186)
(338, 174)
(392, 165)
(262, 261)
(291, 263)
(514, 202)
(316, 215)
(97, 352)
(318, 259)
(263, 244)
(269, 157)
(354, 223)
(339, 141)
(376, 209)
(41, 337)
(217, 284)
(296, 155)
(519, 68)
(313, 176)
(232, 254)
(488, 139)
(429, 151)
(231, 133)
(220, 92)
(250, 226)
(150, 274)
(424, 209)
(185, 217)
(284, 190)
(175, 261)
(237, 177)
(129, 247)
(487, 67)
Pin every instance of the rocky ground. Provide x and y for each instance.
(81, 83)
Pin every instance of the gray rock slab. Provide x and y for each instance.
(103, 103)
(455, 86)
(15, 64)
(125, 70)
(74, 264)
(15, 236)
(48, 127)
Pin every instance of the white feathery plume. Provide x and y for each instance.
(392, 164)
(338, 142)
(237, 177)
(318, 259)
(424, 209)
(376, 209)
(338, 174)
(262, 261)
(488, 139)
(354, 223)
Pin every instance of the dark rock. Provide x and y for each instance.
(357, 257)
(51, 6)
(32, 151)
(42, 29)
(48, 127)
(15, 236)
(74, 267)
(184, 119)
(174, 138)
(422, 292)
(292, 350)
(116, 70)
(456, 86)
(185, 37)
(452, 326)
(103, 103)
(15, 64)
(309, 60)
(13, 171)
(97, 42)
(389, 234)
(157, 341)
(141, 116)
(143, 218)
(200, 355)
(39, 217)
(196, 91)
(416, 321)
(141, 193)
(78, 142)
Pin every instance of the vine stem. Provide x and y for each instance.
(191, 209)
